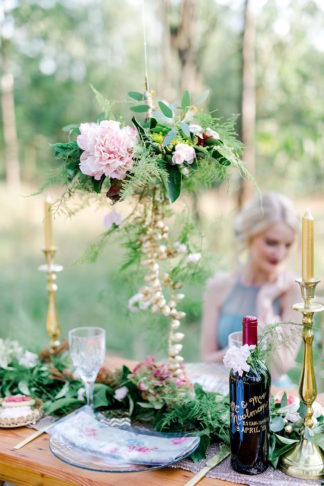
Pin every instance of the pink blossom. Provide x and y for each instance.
(107, 149)
(112, 218)
(291, 399)
(137, 367)
(142, 386)
(149, 360)
(183, 153)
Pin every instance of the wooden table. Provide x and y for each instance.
(35, 465)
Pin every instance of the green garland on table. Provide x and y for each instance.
(151, 394)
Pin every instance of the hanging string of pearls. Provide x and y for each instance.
(161, 292)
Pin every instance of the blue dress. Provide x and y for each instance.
(241, 301)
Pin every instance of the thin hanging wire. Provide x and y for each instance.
(145, 46)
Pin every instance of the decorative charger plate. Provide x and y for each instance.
(82, 441)
(26, 419)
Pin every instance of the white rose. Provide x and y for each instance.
(196, 129)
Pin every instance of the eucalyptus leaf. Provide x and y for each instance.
(185, 128)
(285, 440)
(277, 424)
(136, 95)
(185, 102)
(140, 108)
(169, 137)
(302, 409)
(166, 110)
(284, 400)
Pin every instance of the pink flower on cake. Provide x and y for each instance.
(183, 153)
(107, 149)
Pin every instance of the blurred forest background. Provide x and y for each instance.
(261, 60)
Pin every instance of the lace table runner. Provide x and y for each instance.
(225, 472)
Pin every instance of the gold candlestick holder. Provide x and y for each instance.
(52, 323)
(306, 459)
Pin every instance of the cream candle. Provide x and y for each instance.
(307, 247)
(48, 224)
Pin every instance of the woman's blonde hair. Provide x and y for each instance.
(261, 213)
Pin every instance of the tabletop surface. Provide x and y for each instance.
(34, 464)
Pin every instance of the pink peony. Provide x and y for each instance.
(183, 153)
(107, 149)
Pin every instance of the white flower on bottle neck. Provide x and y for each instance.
(236, 358)
(28, 360)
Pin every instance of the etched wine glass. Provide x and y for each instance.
(87, 349)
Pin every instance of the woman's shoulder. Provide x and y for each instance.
(221, 282)
(291, 287)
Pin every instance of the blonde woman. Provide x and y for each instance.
(262, 286)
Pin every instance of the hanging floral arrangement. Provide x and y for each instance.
(171, 150)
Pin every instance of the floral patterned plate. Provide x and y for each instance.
(83, 441)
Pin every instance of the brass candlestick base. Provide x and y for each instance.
(306, 460)
(52, 324)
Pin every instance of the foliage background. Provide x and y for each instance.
(56, 49)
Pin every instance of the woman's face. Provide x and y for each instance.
(270, 248)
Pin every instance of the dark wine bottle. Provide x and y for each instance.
(250, 410)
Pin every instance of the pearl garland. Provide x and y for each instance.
(155, 248)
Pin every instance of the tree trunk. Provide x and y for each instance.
(183, 38)
(9, 124)
(248, 108)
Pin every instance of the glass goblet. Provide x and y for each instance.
(87, 349)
